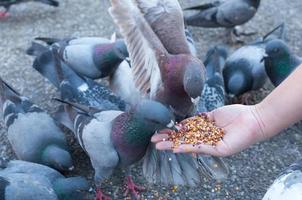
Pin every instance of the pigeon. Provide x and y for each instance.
(162, 64)
(190, 42)
(213, 94)
(72, 86)
(92, 57)
(30, 181)
(8, 3)
(244, 70)
(162, 167)
(280, 61)
(114, 138)
(32, 133)
(169, 169)
(224, 13)
(288, 185)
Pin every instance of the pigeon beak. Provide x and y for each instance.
(172, 126)
(264, 57)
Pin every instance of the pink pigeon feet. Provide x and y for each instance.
(3, 15)
(133, 188)
(246, 98)
(101, 196)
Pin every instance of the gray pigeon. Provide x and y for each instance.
(114, 138)
(92, 57)
(244, 69)
(32, 133)
(213, 94)
(280, 61)
(72, 86)
(223, 13)
(190, 42)
(288, 185)
(21, 180)
(8, 3)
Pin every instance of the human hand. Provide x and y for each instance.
(242, 126)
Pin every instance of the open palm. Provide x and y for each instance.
(240, 123)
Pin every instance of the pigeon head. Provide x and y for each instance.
(194, 77)
(70, 188)
(279, 61)
(57, 158)
(109, 56)
(121, 49)
(238, 80)
(155, 114)
(277, 49)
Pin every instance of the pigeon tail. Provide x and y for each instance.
(36, 49)
(3, 184)
(213, 167)
(49, 2)
(13, 103)
(278, 32)
(49, 41)
(164, 167)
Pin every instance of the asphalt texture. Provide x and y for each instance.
(252, 171)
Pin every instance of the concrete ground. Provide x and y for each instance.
(252, 170)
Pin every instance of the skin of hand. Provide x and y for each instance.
(247, 125)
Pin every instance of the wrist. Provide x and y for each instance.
(268, 120)
(259, 125)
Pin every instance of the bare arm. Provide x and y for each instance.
(246, 125)
(283, 106)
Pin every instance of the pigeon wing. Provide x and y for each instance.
(145, 49)
(166, 19)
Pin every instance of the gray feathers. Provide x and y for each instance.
(244, 69)
(32, 133)
(288, 185)
(8, 3)
(212, 96)
(223, 13)
(74, 87)
(280, 61)
(89, 56)
(3, 184)
(35, 137)
(36, 182)
(184, 169)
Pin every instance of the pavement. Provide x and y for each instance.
(252, 171)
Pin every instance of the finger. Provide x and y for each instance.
(159, 138)
(164, 145)
(165, 131)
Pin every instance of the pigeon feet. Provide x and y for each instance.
(4, 15)
(101, 196)
(235, 35)
(133, 188)
(244, 99)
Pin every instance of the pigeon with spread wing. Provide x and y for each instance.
(162, 64)
(164, 69)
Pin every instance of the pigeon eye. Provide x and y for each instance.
(275, 50)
